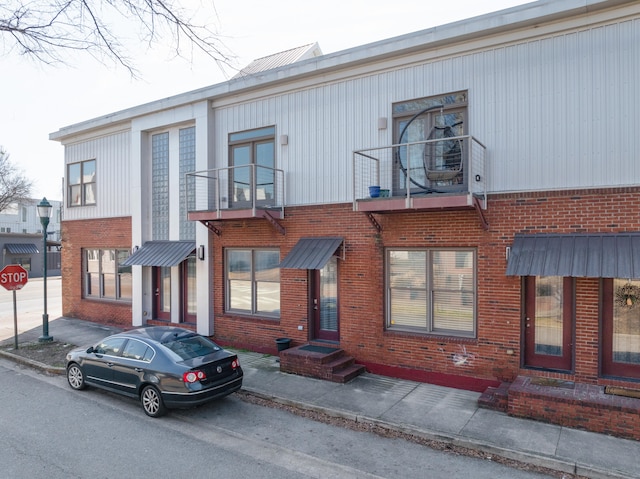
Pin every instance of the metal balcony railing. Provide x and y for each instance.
(429, 168)
(248, 187)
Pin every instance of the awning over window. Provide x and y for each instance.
(21, 248)
(161, 253)
(578, 255)
(311, 253)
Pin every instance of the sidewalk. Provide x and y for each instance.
(432, 412)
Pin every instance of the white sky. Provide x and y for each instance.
(36, 99)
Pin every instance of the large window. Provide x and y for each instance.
(253, 281)
(621, 328)
(187, 160)
(432, 291)
(81, 183)
(252, 156)
(160, 186)
(104, 277)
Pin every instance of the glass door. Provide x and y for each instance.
(162, 279)
(324, 301)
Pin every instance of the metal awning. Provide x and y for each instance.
(161, 253)
(311, 253)
(21, 248)
(615, 255)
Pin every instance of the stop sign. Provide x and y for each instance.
(13, 276)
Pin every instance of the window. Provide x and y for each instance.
(253, 282)
(431, 291)
(81, 183)
(103, 275)
(435, 163)
(110, 347)
(160, 186)
(621, 328)
(187, 161)
(138, 350)
(252, 156)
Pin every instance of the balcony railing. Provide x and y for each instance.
(235, 191)
(448, 172)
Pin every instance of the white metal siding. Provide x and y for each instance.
(113, 165)
(554, 112)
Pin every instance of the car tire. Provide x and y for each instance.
(75, 377)
(152, 402)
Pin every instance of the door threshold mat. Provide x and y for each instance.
(554, 383)
(317, 349)
(626, 392)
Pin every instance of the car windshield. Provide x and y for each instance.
(191, 346)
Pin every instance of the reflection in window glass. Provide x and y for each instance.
(81, 183)
(548, 322)
(626, 322)
(431, 291)
(103, 277)
(253, 281)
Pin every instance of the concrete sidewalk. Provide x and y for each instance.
(428, 411)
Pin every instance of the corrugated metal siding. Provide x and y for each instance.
(21, 248)
(554, 112)
(576, 255)
(161, 253)
(113, 174)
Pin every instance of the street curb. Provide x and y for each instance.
(33, 364)
(548, 462)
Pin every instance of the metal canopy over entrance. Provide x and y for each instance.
(614, 255)
(311, 253)
(21, 248)
(161, 253)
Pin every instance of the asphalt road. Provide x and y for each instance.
(50, 431)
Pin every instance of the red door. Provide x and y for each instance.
(162, 281)
(325, 311)
(548, 322)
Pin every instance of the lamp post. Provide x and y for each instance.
(44, 212)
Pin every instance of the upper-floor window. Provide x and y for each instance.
(160, 186)
(436, 155)
(253, 281)
(252, 158)
(432, 291)
(104, 277)
(187, 164)
(81, 183)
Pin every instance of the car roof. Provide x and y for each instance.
(157, 334)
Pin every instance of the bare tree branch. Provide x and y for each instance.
(14, 186)
(48, 30)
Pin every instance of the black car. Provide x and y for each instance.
(165, 367)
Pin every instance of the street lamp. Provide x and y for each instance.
(44, 212)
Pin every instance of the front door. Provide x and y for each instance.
(324, 302)
(548, 332)
(162, 280)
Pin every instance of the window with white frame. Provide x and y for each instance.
(81, 183)
(104, 277)
(431, 291)
(253, 281)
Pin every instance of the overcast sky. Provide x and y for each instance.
(37, 99)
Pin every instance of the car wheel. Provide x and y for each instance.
(152, 402)
(75, 377)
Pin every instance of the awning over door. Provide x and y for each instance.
(161, 253)
(615, 255)
(21, 248)
(311, 253)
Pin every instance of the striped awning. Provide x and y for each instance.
(311, 253)
(607, 255)
(21, 248)
(161, 253)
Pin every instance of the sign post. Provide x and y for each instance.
(13, 277)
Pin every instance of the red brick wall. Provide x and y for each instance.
(495, 354)
(98, 233)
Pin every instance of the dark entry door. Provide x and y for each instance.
(324, 302)
(548, 331)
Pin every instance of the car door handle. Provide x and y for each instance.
(139, 370)
(110, 364)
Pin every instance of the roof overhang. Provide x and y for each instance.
(312, 253)
(614, 255)
(161, 253)
(21, 248)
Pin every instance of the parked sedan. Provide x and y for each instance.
(164, 367)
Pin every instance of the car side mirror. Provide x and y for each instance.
(90, 350)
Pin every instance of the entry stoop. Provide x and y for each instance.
(495, 398)
(321, 362)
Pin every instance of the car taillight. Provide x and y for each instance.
(193, 376)
(235, 364)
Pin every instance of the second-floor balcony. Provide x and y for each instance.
(430, 174)
(235, 192)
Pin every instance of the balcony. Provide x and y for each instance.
(235, 192)
(447, 173)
